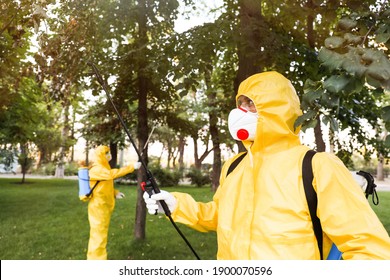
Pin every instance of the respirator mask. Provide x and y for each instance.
(242, 121)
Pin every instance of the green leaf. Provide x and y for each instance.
(334, 126)
(382, 37)
(330, 100)
(305, 118)
(352, 38)
(330, 59)
(352, 62)
(334, 42)
(347, 23)
(379, 70)
(336, 83)
(311, 124)
(387, 141)
(355, 85)
(386, 113)
(310, 85)
(373, 82)
(311, 96)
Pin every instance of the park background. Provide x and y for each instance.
(173, 69)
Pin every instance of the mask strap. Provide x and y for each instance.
(242, 109)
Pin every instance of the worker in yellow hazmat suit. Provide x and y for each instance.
(260, 210)
(102, 202)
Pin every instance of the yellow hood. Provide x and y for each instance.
(100, 156)
(278, 107)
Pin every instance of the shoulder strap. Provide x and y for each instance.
(235, 163)
(90, 193)
(311, 197)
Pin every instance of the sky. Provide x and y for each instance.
(197, 17)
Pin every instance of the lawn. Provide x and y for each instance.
(44, 220)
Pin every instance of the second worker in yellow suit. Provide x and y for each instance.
(102, 202)
(259, 210)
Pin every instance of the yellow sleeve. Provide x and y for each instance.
(100, 173)
(346, 216)
(116, 173)
(198, 215)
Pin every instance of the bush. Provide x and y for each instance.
(198, 178)
(49, 169)
(7, 160)
(71, 169)
(166, 177)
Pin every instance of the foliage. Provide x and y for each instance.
(198, 177)
(70, 169)
(355, 74)
(166, 177)
(7, 158)
(26, 121)
(16, 20)
(25, 162)
(45, 169)
(100, 126)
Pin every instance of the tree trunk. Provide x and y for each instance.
(249, 42)
(72, 132)
(87, 153)
(142, 129)
(379, 170)
(217, 163)
(250, 59)
(60, 169)
(214, 132)
(114, 154)
(197, 162)
(24, 163)
(320, 144)
(182, 144)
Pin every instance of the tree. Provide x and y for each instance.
(23, 121)
(143, 71)
(356, 74)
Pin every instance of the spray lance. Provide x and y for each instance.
(150, 186)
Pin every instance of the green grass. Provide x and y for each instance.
(45, 220)
(383, 209)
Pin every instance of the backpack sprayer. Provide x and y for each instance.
(150, 186)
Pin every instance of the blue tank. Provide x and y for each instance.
(84, 188)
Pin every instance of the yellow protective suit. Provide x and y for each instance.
(102, 202)
(260, 210)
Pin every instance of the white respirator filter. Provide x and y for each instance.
(242, 124)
